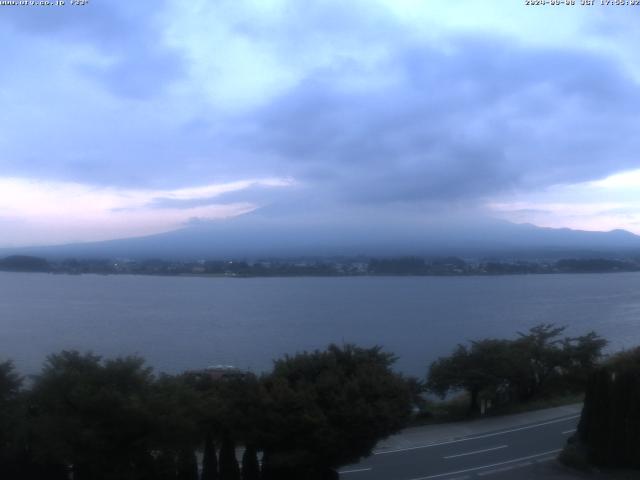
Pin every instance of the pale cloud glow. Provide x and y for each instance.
(34, 211)
(629, 179)
(607, 204)
(392, 106)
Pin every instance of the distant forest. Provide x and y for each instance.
(416, 266)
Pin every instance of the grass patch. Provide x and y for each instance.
(538, 404)
(456, 409)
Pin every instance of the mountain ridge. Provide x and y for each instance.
(256, 237)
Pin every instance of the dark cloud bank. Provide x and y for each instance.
(140, 65)
(482, 118)
(461, 119)
(381, 146)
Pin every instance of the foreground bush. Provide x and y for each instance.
(327, 409)
(537, 363)
(100, 419)
(609, 429)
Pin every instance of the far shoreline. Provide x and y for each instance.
(235, 276)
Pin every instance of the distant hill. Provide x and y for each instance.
(253, 236)
(24, 263)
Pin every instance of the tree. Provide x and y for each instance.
(544, 363)
(165, 465)
(209, 459)
(609, 428)
(537, 362)
(482, 368)
(93, 415)
(11, 421)
(24, 263)
(187, 464)
(398, 266)
(329, 408)
(250, 465)
(231, 413)
(229, 468)
(582, 355)
(97, 419)
(537, 356)
(10, 382)
(176, 410)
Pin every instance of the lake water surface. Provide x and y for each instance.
(180, 323)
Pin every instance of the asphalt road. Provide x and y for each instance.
(476, 456)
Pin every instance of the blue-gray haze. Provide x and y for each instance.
(185, 323)
(367, 115)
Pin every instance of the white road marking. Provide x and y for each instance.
(477, 451)
(548, 459)
(567, 432)
(504, 469)
(515, 460)
(341, 472)
(487, 435)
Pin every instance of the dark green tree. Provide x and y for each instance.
(209, 459)
(536, 363)
(250, 464)
(24, 263)
(11, 421)
(93, 416)
(609, 428)
(165, 465)
(176, 408)
(10, 382)
(581, 357)
(187, 464)
(232, 414)
(482, 368)
(544, 363)
(229, 468)
(329, 408)
(537, 357)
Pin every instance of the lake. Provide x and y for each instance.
(180, 323)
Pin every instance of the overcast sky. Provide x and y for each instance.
(125, 118)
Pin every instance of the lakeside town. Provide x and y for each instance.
(413, 266)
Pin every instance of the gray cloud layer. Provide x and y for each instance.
(139, 63)
(483, 117)
(418, 121)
